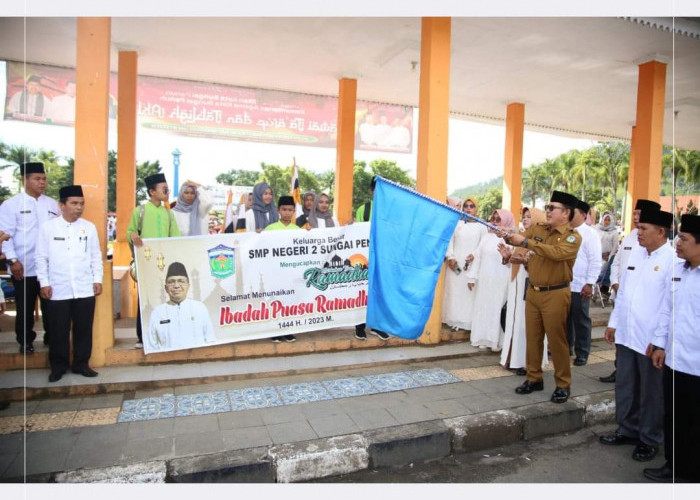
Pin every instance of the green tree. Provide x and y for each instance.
(536, 183)
(5, 193)
(489, 202)
(238, 177)
(142, 171)
(361, 178)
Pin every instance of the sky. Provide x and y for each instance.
(475, 151)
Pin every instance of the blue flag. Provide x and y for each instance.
(409, 235)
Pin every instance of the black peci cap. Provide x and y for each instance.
(564, 198)
(176, 269)
(690, 224)
(583, 206)
(68, 191)
(656, 217)
(154, 179)
(31, 167)
(285, 201)
(646, 204)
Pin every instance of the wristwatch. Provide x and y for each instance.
(524, 243)
(657, 348)
(12, 261)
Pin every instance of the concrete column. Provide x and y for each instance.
(433, 124)
(345, 156)
(91, 121)
(126, 152)
(513, 167)
(648, 140)
(632, 181)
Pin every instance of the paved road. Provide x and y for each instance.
(566, 458)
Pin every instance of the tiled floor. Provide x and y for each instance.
(170, 405)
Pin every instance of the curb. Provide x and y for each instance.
(387, 447)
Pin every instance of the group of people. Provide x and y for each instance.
(530, 294)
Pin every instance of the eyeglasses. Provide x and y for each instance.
(495, 219)
(469, 205)
(550, 208)
(173, 282)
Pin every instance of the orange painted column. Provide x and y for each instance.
(345, 156)
(513, 167)
(633, 177)
(433, 126)
(648, 139)
(126, 152)
(91, 121)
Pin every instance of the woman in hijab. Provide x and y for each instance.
(320, 215)
(514, 342)
(307, 203)
(264, 211)
(487, 279)
(458, 302)
(609, 243)
(191, 210)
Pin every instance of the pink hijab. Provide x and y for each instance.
(507, 219)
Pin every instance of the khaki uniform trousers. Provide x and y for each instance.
(548, 312)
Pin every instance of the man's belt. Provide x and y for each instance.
(548, 288)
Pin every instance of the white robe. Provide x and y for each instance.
(515, 325)
(490, 292)
(458, 301)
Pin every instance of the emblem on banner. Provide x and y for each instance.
(222, 263)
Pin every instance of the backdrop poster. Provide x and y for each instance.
(245, 286)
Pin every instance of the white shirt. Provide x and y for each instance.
(678, 331)
(179, 326)
(645, 281)
(68, 258)
(62, 109)
(588, 259)
(183, 218)
(250, 219)
(21, 217)
(628, 244)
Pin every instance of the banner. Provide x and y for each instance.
(213, 110)
(208, 290)
(406, 257)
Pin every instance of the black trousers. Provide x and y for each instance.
(578, 326)
(79, 312)
(26, 292)
(681, 397)
(139, 330)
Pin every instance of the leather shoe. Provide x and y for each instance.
(55, 376)
(527, 387)
(616, 439)
(28, 349)
(644, 452)
(85, 372)
(610, 379)
(580, 362)
(521, 372)
(663, 474)
(560, 395)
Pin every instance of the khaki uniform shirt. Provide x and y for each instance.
(555, 253)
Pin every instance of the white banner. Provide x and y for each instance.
(206, 290)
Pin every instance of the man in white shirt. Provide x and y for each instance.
(634, 322)
(586, 271)
(62, 108)
(180, 323)
(677, 343)
(69, 270)
(619, 262)
(21, 217)
(30, 101)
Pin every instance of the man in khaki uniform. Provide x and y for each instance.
(555, 245)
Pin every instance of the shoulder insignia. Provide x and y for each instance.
(571, 238)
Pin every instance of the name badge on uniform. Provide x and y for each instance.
(164, 321)
(676, 279)
(571, 238)
(631, 268)
(537, 238)
(25, 211)
(627, 248)
(52, 213)
(57, 238)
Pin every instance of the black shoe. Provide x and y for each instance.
(610, 379)
(361, 334)
(644, 452)
(527, 387)
(560, 395)
(4, 405)
(290, 338)
(46, 339)
(55, 376)
(662, 474)
(85, 371)
(580, 362)
(521, 371)
(28, 349)
(379, 334)
(277, 340)
(616, 439)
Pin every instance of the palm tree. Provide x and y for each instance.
(535, 183)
